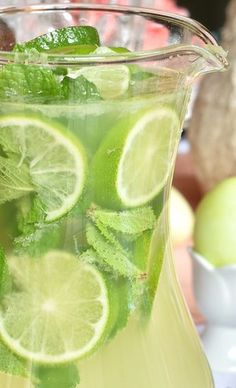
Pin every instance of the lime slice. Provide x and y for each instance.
(132, 164)
(59, 312)
(64, 40)
(55, 158)
(112, 81)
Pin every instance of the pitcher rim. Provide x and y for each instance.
(118, 58)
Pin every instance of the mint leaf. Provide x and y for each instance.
(62, 39)
(39, 242)
(8, 225)
(115, 259)
(60, 71)
(64, 376)
(15, 180)
(12, 364)
(30, 212)
(106, 232)
(79, 90)
(36, 236)
(28, 83)
(90, 256)
(129, 221)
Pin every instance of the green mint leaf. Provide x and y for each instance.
(129, 221)
(115, 259)
(79, 90)
(30, 212)
(64, 376)
(28, 83)
(62, 40)
(60, 71)
(90, 256)
(8, 225)
(12, 364)
(36, 236)
(106, 232)
(15, 180)
(38, 242)
(127, 239)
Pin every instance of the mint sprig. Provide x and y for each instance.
(90, 256)
(115, 259)
(128, 221)
(36, 237)
(79, 90)
(108, 234)
(28, 83)
(105, 231)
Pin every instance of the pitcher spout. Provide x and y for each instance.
(189, 47)
(204, 59)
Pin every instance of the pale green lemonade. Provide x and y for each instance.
(88, 293)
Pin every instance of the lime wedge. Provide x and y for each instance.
(112, 81)
(56, 160)
(63, 40)
(59, 312)
(132, 164)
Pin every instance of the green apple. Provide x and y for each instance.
(215, 224)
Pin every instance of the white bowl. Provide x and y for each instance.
(215, 293)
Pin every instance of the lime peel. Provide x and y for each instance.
(133, 163)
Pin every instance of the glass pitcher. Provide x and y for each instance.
(90, 122)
